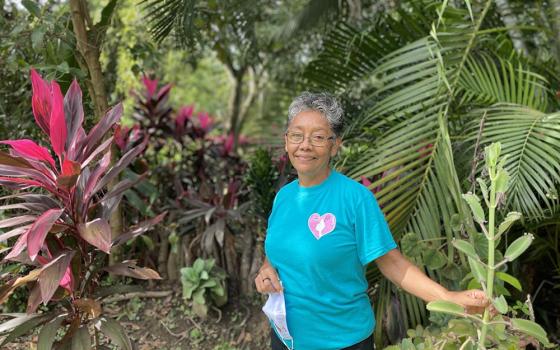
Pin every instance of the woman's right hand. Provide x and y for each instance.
(267, 280)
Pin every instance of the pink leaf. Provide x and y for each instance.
(29, 149)
(52, 275)
(57, 124)
(365, 181)
(17, 183)
(184, 114)
(228, 144)
(70, 168)
(41, 101)
(97, 233)
(67, 281)
(100, 129)
(205, 121)
(74, 113)
(38, 232)
(18, 247)
(150, 85)
(163, 91)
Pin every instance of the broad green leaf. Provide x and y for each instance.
(501, 304)
(462, 327)
(410, 245)
(456, 224)
(198, 266)
(518, 246)
(81, 339)
(446, 307)
(484, 190)
(198, 296)
(502, 180)
(204, 275)
(434, 259)
(530, 328)
(476, 208)
(465, 247)
(32, 7)
(47, 334)
(25, 327)
(478, 269)
(492, 153)
(509, 279)
(508, 221)
(115, 332)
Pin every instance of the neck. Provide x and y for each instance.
(308, 180)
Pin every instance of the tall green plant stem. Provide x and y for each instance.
(491, 257)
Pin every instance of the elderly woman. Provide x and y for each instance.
(323, 230)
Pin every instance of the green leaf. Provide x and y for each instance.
(81, 339)
(508, 221)
(509, 279)
(204, 275)
(456, 223)
(501, 304)
(198, 296)
(115, 332)
(518, 246)
(106, 13)
(492, 153)
(32, 7)
(476, 208)
(465, 247)
(24, 327)
(198, 266)
(483, 189)
(478, 269)
(530, 328)
(37, 37)
(410, 245)
(48, 333)
(434, 259)
(502, 180)
(446, 307)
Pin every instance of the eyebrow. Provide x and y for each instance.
(299, 128)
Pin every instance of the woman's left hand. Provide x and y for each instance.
(474, 300)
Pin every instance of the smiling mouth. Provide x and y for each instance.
(305, 158)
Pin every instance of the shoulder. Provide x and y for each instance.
(352, 187)
(287, 189)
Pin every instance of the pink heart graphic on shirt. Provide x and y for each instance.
(321, 225)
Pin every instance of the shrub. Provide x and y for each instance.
(61, 227)
(204, 283)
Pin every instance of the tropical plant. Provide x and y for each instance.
(492, 330)
(430, 83)
(60, 221)
(204, 283)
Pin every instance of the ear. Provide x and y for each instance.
(336, 146)
(286, 143)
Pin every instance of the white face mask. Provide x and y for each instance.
(275, 310)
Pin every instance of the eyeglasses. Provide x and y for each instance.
(315, 140)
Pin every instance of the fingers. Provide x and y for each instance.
(267, 281)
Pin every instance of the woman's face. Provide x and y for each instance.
(311, 161)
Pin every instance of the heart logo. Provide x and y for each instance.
(321, 225)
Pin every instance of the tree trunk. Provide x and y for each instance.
(236, 101)
(510, 20)
(555, 11)
(248, 247)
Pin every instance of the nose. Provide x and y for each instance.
(306, 143)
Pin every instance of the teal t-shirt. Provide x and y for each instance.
(320, 239)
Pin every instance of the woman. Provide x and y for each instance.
(323, 230)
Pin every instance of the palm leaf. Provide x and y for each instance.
(531, 140)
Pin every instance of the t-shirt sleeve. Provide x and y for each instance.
(374, 239)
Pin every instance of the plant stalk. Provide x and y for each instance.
(491, 267)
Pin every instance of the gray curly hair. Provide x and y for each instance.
(322, 102)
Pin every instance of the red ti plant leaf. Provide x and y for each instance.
(97, 233)
(205, 121)
(138, 229)
(52, 274)
(41, 101)
(129, 268)
(100, 129)
(150, 85)
(74, 114)
(57, 123)
(17, 183)
(7, 159)
(70, 173)
(38, 232)
(29, 149)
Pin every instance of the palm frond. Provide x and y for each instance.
(531, 141)
(487, 80)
